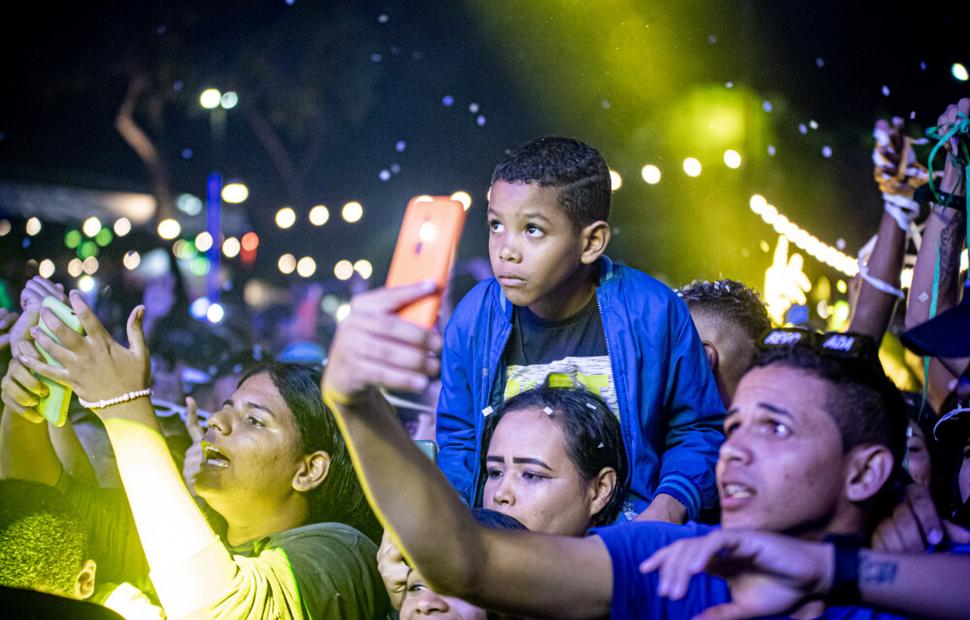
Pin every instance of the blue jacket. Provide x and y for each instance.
(670, 412)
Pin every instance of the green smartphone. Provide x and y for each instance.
(429, 448)
(54, 406)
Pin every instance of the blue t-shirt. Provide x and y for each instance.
(635, 593)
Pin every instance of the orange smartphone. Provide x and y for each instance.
(425, 250)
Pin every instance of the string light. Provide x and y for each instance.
(230, 247)
(319, 215)
(802, 239)
(692, 167)
(169, 228)
(732, 159)
(364, 268)
(306, 267)
(287, 263)
(203, 241)
(122, 226)
(352, 212)
(285, 217)
(91, 226)
(33, 226)
(46, 268)
(131, 260)
(344, 270)
(651, 174)
(464, 198)
(76, 268)
(616, 181)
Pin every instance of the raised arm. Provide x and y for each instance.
(552, 576)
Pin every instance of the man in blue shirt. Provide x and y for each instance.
(813, 444)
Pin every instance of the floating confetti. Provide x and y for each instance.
(819, 62)
(771, 150)
(840, 244)
(728, 84)
(396, 168)
(384, 175)
(480, 121)
(827, 152)
(186, 153)
(473, 107)
(922, 65)
(487, 410)
(912, 115)
(400, 146)
(766, 106)
(802, 129)
(375, 57)
(177, 86)
(382, 18)
(712, 39)
(885, 91)
(548, 410)
(591, 406)
(813, 124)
(447, 101)
(605, 104)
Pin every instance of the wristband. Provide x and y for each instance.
(117, 400)
(949, 201)
(845, 570)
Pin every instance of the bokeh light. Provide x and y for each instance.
(250, 241)
(229, 100)
(352, 212)
(203, 241)
(235, 193)
(319, 215)
(5, 227)
(732, 159)
(210, 98)
(215, 313)
(169, 228)
(90, 265)
(131, 260)
(343, 270)
(959, 72)
(76, 267)
(616, 180)
(231, 247)
(464, 198)
(104, 237)
(306, 267)
(73, 239)
(91, 226)
(343, 311)
(286, 264)
(364, 268)
(86, 283)
(692, 167)
(33, 226)
(285, 217)
(651, 174)
(122, 226)
(46, 268)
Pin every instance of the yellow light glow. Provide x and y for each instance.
(616, 181)
(286, 263)
(85, 283)
(343, 270)
(464, 198)
(169, 228)
(90, 265)
(75, 267)
(230, 247)
(46, 268)
(285, 217)
(364, 268)
(319, 215)
(91, 226)
(757, 203)
(343, 311)
(785, 282)
(33, 226)
(352, 212)
(210, 98)
(732, 159)
(122, 226)
(235, 193)
(132, 259)
(651, 174)
(306, 267)
(203, 241)
(692, 167)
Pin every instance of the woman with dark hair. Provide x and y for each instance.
(553, 458)
(273, 465)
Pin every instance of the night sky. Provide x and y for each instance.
(365, 84)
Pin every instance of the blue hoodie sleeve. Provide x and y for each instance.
(455, 426)
(695, 417)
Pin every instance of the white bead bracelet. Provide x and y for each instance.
(117, 400)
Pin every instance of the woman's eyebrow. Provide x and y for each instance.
(528, 461)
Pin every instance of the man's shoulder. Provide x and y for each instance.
(631, 284)
(316, 535)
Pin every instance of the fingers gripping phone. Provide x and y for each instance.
(54, 406)
(425, 250)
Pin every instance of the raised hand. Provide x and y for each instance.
(93, 365)
(393, 569)
(373, 347)
(193, 455)
(20, 390)
(767, 573)
(7, 321)
(953, 173)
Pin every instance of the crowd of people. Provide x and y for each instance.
(603, 445)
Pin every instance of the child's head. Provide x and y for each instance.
(547, 212)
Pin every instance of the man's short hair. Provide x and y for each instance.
(729, 301)
(577, 169)
(43, 544)
(866, 406)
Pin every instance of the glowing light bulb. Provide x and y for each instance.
(651, 174)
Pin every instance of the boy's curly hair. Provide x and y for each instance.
(729, 301)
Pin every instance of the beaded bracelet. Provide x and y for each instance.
(117, 400)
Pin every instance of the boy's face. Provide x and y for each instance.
(781, 466)
(532, 245)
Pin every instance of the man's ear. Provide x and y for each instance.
(869, 469)
(313, 470)
(595, 238)
(712, 357)
(84, 585)
(603, 487)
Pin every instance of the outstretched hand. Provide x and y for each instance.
(373, 347)
(767, 573)
(953, 173)
(93, 364)
(20, 390)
